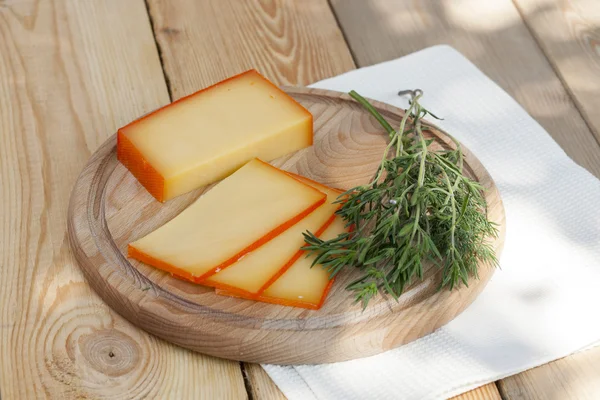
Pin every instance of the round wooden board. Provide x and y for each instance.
(109, 209)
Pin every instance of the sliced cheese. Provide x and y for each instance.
(242, 212)
(206, 136)
(300, 285)
(258, 269)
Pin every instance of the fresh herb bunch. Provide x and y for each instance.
(419, 207)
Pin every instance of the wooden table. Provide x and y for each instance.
(72, 71)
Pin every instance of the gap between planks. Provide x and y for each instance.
(339, 25)
(538, 37)
(159, 51)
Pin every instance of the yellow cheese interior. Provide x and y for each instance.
(243, 208)
(256, 268)
(210, 134)
(301, 282)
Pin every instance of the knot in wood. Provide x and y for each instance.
(110, 352)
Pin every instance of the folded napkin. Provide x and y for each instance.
(542, 304)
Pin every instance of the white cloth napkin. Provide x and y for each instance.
(543, 303)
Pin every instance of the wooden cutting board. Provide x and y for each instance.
(109, 209)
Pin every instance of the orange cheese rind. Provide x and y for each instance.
(136, 254)
(135, 162)
(279, 301)
(295, 258)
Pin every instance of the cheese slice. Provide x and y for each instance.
(242, 212)
(206, 136)
(257, 270)
(301, 285)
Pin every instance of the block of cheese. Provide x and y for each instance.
(258, 269)
(206, 136)
(301, 285)
(241, 213)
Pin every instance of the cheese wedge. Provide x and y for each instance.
(206, 136)
(238, 215)
(257, 270)
(301, 285)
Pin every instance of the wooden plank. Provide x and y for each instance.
(260, 385)
(486, 392)
(71, 72)
(493, 36)
(568, 31)
(290, 43)
(574, 377)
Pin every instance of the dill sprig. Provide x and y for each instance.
(419, 207)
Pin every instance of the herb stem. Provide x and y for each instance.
(423, 154)
(400, 148)
(453, 204)
(382, 164)
(373, 112)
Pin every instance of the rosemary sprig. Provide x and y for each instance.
(420, 207)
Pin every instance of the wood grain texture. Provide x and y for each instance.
(109, 209)
(493, 36)
(71, 72)
(571, 378)
(290, 42)
(486, 392)
(261, 386)
(568, 31)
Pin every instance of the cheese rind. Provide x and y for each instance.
(258, 269)
(300, 285)
(206, 136)
(238, 215)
